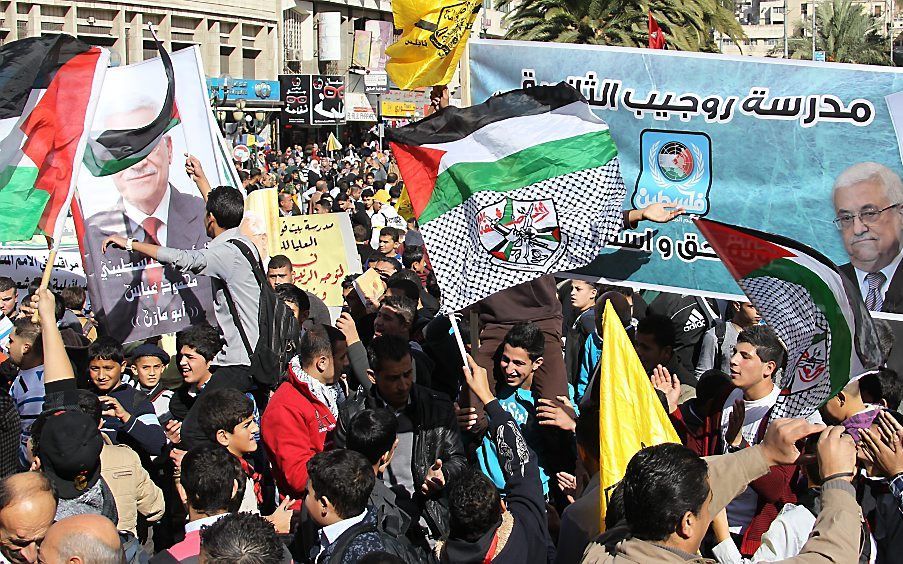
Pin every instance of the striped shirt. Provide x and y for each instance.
(28, 393)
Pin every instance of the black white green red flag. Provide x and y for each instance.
(524, 184)
(48, 93)
(815, 310)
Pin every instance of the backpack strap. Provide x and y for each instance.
(255, 263)
(345, 539)
(230, 302)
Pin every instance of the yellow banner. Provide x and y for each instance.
(391, 108)
(322, 251)
(432, 40)
(264, 220)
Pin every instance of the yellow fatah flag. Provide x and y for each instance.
(432, 40)
(631, 417)
(404, 207)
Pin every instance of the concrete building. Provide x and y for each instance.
(237, 37)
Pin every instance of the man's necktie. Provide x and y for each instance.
(153, 272)
(874, 300)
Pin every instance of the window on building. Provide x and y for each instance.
(249, 65)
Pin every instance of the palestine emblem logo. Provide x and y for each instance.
(812, 367)
(676, 169)
(521, 234)
(454, 21)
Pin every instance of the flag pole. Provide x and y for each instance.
(457, 332)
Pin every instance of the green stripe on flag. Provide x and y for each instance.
(536, 164)
(841, 351)
(21, 205)
(105, 165)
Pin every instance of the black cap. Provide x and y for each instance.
(149, 349)
(69, 449)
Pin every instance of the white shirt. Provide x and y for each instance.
(331, 533)
(783, 539)
(161, 213)
(743, 508)
(888, 272)
(203, 522)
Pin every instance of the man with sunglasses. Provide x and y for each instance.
(868, 206)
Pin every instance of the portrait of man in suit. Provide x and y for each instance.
(130, 298)
(868, 208)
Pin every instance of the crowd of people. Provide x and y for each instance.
(376, 442)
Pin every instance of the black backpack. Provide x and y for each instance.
(398, 545)
(276, 323)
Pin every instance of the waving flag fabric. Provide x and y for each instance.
(48, 90)
(815, 310)
(526, 183)
(115, 150)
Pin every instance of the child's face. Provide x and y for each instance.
(149, 369)
(241, 439)
(105, 374)
(194, 367)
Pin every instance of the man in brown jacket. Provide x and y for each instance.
(670, 496)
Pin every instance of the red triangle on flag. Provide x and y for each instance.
(419, 168)
(741, 252)
(656, 36)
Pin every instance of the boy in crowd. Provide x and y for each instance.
(148, 363)
(520, 358)
(389, 242)
(129, 418)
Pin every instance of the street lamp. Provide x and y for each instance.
(217, 102)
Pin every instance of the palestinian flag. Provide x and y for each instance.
(48, 92)
(114, 150)
(524, 184)
(815, 310)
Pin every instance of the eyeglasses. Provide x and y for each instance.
(868, 217)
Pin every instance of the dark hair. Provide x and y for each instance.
(390, 232)
(660, 327)
(279, 261)
(661, 484)
(391, 178)
(711, 385)
(334, 336)
(208, 475)
(391, 260)
(411, 254)
(527, 336)
(314, 343)
(106, 348)
(203, 338)
(226, 205)
(883, 384)
(361, 234)
(324, 203)
(474, 506)
(372, 432)
(618, 302)
(587, 430)
(73, 297)
(402, 280)
(395, 191)
(344, 477)
(614, 509)
(30, 331)
(386, 347)
(768, 346)
(222, 409)
(367, 193)
(290, 293)
(7, 284)
(404, 305)
(241, 538)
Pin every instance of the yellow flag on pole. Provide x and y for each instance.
(432, 40)
(631, 417)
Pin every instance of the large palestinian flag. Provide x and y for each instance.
(524, 184)
(114, 150)
(48, 90)
(814, 309)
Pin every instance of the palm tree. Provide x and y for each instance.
(844, 31)
(688, 25)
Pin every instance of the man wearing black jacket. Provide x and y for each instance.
(483, 528)
(430, 455)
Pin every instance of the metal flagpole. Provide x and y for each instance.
(814, 25)
(786, 51)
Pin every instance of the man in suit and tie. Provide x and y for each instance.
(868, 206)
(131, 303)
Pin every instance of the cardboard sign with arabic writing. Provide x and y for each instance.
(322, 251)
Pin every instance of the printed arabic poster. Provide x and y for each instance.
(152, 201)
(322, 251)
(327, 98)
(24, 261)
(752, 142)
(295, 92)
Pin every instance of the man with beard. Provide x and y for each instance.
(150, 209)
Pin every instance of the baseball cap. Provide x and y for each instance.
(149, 349)
(70, 448)
(382, 196)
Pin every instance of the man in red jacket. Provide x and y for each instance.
(301, 413)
